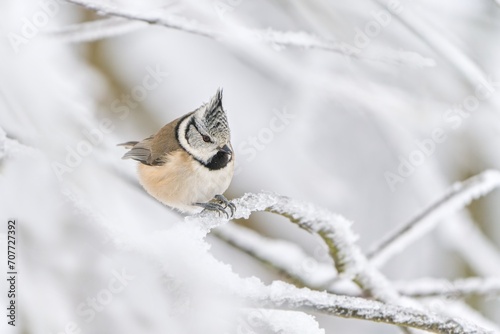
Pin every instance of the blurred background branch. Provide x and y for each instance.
(98, 30)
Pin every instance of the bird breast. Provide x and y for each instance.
(183, 181)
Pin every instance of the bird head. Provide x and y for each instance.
(205, 132)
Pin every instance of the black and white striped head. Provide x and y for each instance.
(205, 134)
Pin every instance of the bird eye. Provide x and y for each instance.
(206, 139)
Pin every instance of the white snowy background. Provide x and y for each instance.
(370, 110)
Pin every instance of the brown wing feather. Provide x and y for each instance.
(152, 150)
(128, 145)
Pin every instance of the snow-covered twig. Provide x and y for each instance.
(307, 271)
(280, 295)
(12, 147)
(296, 265)
(95, 30)
(170, 21)
(262, 320)
(334, 229)
(458, 197)
(300, 39)
(430, 287)
(455, 308)
(349, 261)
(479, 252)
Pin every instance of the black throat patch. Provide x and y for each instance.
(218, 161)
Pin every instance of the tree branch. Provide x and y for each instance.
(350, 262)
(457, 197)
(305, 271)
(280, 38)
(430, 287)
(336, 232)
(302, 269)
(95, 30)
(287, 297)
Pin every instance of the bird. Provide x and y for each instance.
(189, 163)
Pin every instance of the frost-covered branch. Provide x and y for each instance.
(334, 229)
(300, 39)
(169, 21)
(455, 308)
(95, 30)
(262, 320)
(349, 261)
(296, 265)
(307, 271)
(287, 297)
(12, 147)
(430, 287)
(336, 232)
(180, 23)
(479, 252)
(458, 197)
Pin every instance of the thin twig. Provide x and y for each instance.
(349, 260)
(271, 36)
(462, 288)
(305, 271)
(95, 30)
(269, 252)
(315, 275)
(458, 197)
(334, 229)
(336, 232)
(287, 297)
(300, 268)
(170, 21)
(275, 321)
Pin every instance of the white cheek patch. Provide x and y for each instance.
(202, 154)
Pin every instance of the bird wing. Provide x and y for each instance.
(128, 145)
(152, 150)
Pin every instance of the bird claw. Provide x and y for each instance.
(220, 208)
(216, 207)
(227, 204)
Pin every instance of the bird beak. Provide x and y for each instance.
(226, 149)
